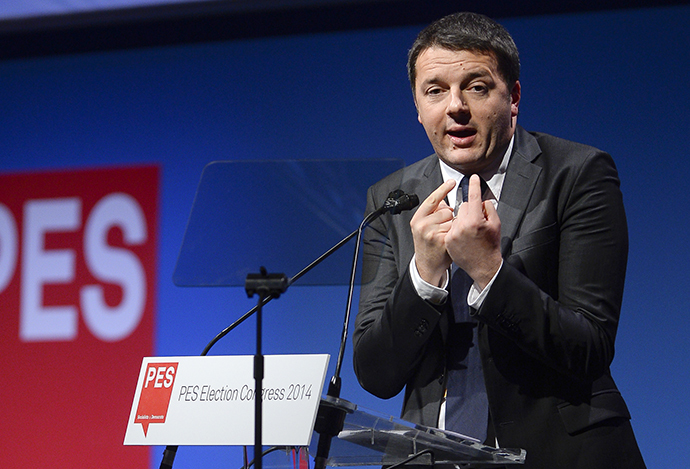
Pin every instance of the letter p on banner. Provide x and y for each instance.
(155, 394)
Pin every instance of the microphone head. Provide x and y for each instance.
(412, 202)
(394, 196)
(398, 201)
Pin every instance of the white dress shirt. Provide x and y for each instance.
(438, 294)
(475, 297)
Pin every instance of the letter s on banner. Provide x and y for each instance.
(114, 265)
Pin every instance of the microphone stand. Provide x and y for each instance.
(265, 285)
(394, 205)
(331, 417)
(396, 202)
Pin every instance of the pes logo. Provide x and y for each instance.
(78, 268)
(155, 394)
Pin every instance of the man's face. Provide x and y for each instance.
(466, 108)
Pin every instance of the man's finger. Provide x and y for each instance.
(435, 198)
(490, 212)
(474, 191)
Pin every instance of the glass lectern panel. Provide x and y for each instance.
(371, 438)
(279, 214)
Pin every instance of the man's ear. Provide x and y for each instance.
(515, 94)
(414, 98)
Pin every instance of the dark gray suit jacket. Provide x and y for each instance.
(546, 328)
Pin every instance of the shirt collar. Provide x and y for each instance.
(494, 179)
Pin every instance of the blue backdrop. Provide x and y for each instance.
(616, 80)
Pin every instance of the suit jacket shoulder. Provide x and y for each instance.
(419, 177)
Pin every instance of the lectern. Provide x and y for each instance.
(368, 438)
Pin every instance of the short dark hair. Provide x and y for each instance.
(472, 32)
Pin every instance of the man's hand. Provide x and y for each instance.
(430, 225)
(474, 239)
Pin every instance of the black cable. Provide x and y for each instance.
(415, 456)
(168, 457)
(264, 453)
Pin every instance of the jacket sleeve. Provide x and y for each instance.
(394, 325)
(559, 292)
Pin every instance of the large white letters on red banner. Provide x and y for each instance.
(115, 265)
(109, 264)
(8, 246)
(41, 266)
(77, 298)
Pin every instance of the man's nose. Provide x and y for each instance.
(457, 103)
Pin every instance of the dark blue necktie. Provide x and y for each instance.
(467, 406)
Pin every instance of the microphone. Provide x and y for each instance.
(330, 418)
(398, 201)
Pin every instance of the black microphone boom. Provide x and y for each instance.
(329, 419)
(397, 200)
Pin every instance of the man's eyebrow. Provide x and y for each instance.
(431, 81)
(473, 74)
(477, 74)
(469, 76)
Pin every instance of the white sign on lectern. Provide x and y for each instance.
(210, 400)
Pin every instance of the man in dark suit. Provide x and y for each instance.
(541, 244)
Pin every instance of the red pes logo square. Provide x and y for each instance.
(155, 394)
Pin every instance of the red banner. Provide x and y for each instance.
(77, 301)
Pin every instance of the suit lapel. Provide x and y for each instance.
(431, 178)
(521, 178)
